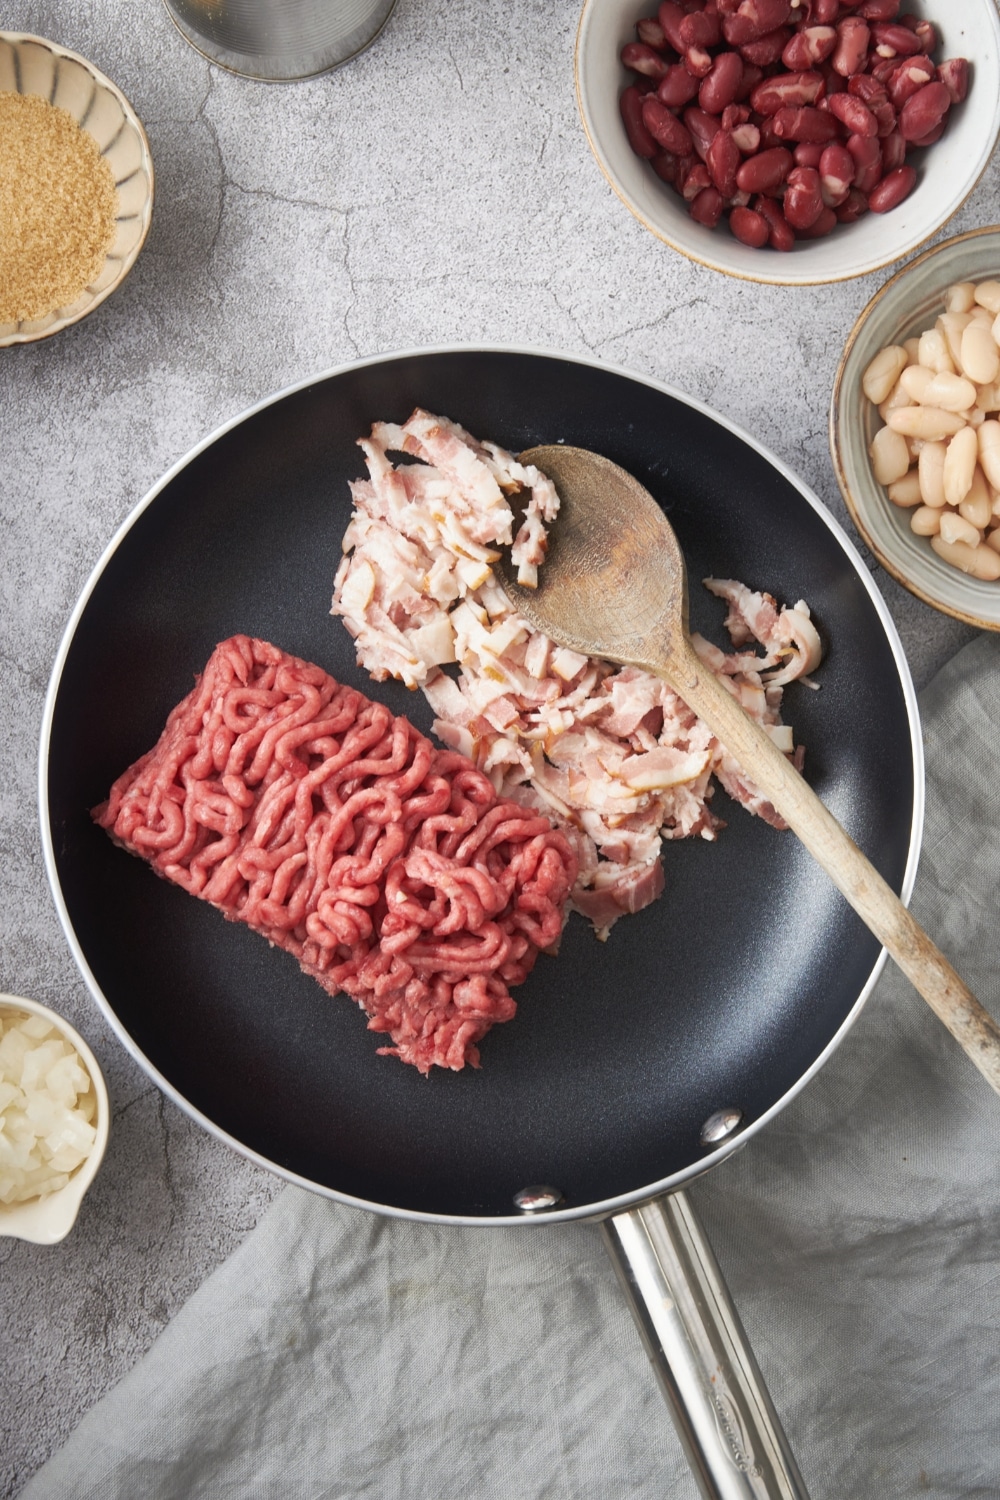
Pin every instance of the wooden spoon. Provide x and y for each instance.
(614, 586)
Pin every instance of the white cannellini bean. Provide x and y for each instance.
(977, 507)
(950, 392)
(988, 397)
(928, 422)
(989, 451)
(987, 294)
(890, 456)
(912, 347)
(925, 521)
(930, 468)
(896, 397)
(995, 329)
(961, 297)
(915, 379)
(993, 540)
(981, 562)
(934, 351)
(960, 465)
(979, 356)
(883, 372)
(953, 326)
(955, 528)
(905, 492)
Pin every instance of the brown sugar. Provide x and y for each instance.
(58, 203)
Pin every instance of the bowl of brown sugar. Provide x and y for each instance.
(76, 188)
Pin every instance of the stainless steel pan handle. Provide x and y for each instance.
(699, 1351)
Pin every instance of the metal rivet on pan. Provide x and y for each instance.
(536, 1200)
(720, 1126)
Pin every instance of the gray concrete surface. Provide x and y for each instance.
(438, 188)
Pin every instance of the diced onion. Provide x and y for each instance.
(47, 1108)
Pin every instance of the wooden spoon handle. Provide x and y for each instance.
(872, 897)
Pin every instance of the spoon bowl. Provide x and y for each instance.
(613, 586)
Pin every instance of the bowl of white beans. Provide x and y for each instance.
(915, 426)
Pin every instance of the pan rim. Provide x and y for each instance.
(589, 1211)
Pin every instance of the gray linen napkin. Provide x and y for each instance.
(337, 1354)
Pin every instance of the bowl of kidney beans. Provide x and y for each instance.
(791, 141)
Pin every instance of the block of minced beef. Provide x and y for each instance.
(389, 868)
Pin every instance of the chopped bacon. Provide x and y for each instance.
(611, 754)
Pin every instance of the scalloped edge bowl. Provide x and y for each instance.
(48, 1219)
(906, 305)
(31, 65)
(948, 171)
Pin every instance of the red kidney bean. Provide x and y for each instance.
(809, 154)
(670, 15)
(765, 171)
(786, 90)
(924, 111)
(930, 138)
(723, 160)
(907, 77)
(804, 125)
(879, 10)
(857, 117)
(894, 41)
(719, 87)
(851, 52)
(667, 166)
(866, 88)
(702, 127)
(651, 32)
(749, 227)
(754, 19)
(747, 138)
(954, 74)
(854, 206)
(867, 153)
(698, 62)
(781, 235)
(893, 151)
(752, 75)
(699, 29)
(926, 34)
(645, 85)
(733, 115)
(639, 138)
(767, 51)
(727, 7)
(820, 226)
(738, 200)
(822, 12)
(665, 127)
(694, 180)
(894, 187)
(803, 200)
(812, 44)
(885, 118)
(707, 207)
(882, 69)
(642, 59)
(677, 87)
(836, 174)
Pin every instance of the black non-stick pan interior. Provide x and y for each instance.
(723, 993)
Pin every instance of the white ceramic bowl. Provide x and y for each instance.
(901, 309)
(947, 172)
(31, 65)
(50, 1218)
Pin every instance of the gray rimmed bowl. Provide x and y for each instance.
(32, 65)
(948, 172)
(901, 309)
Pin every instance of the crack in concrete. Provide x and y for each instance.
(168, 1167)
(273, 197)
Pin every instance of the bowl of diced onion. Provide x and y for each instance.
(54, 1120)
(915, 426)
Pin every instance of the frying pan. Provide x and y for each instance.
(632, 1066)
